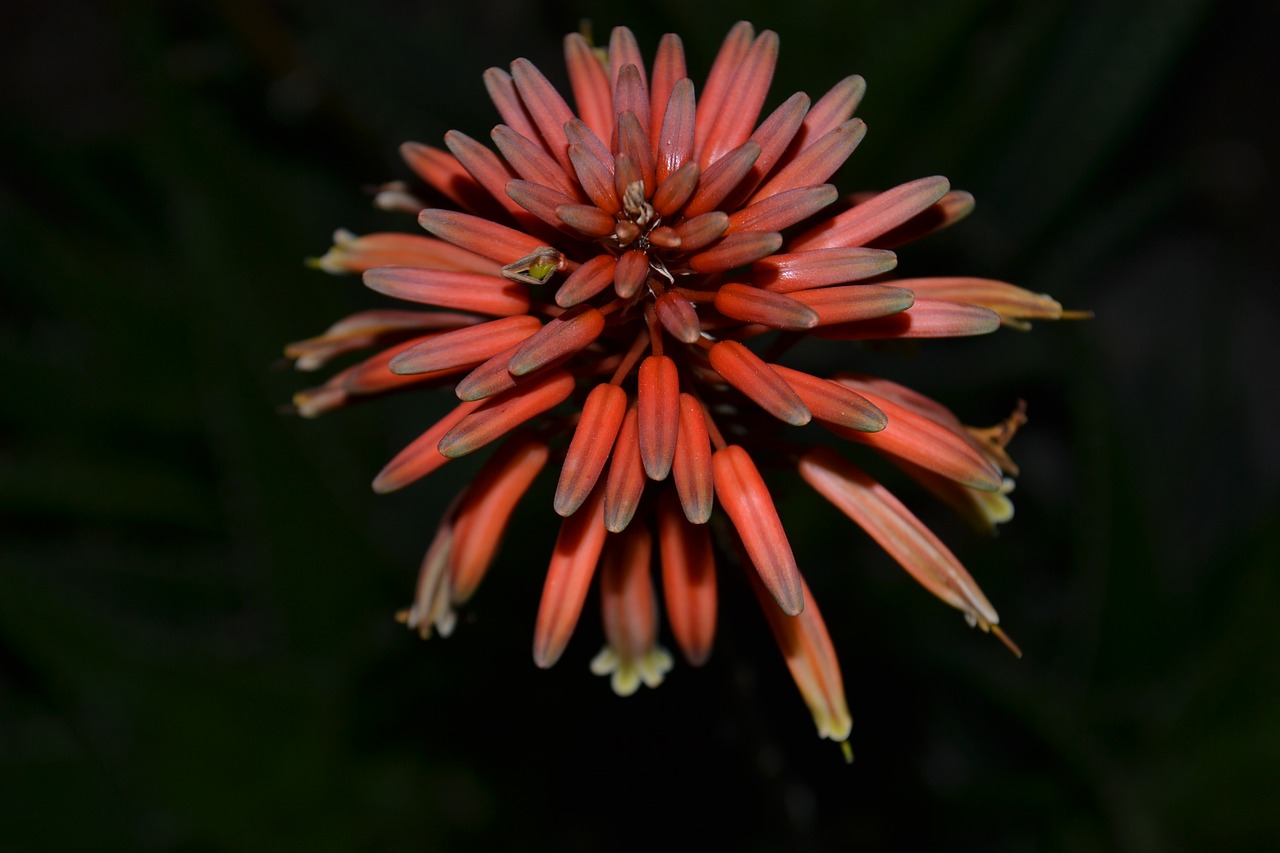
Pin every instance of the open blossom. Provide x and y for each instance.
(611, 295)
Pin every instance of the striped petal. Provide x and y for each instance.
(897, 531)
(864, 222)
(691, 466)
(630, 614)
(678, 317)
(925, 442)
(741, 491)
(658, 412)
(626, 478)
(688, 580)
(486, 508)
(420, 457)
(753, 305)
(586, 281)
(571, 332)
(745, 371)
(464, 291)
(806, 646)
(465, 347)
(489, 239)
(782, 209)
(832, 402)
(352, 254)
(498, 416)
(602, 414)
(591, 90)
(546, 108)
(817, 162)
(819, 268)
(854, 303)
(573, 564)
(926, 318)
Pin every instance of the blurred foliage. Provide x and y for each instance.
(196, 649)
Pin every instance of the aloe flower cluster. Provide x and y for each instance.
(611, 295)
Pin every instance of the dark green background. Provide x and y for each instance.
(196, 644)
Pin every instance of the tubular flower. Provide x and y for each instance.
(611, 288)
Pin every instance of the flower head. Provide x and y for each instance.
(613, 292)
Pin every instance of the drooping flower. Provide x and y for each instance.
(612, 291)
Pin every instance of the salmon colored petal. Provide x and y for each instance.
(442, 171)
(465, 291)
(626, 479)
(668, 71)
(720, 81)
(753, 305)
(631, 273)
(631, 95)
(596, 179)
(371, 377)
(591, 90)
(783, 209)
(832, 402)
(573, 564)
(926, 318)
(532, 162)
(633, 141)
(773, 136)
(465, 347)
(602, 414)
(983, 511)
(720, 179)
(489, 239)
(546, 108)
(498, 416)
(421, 456)
(624, 50)
(502, 91)
(927, 443)
(688, 580)
(854, 303)
(581, 136)
(658, 408)
(741, 105)
(351, 254)
(736, 250)
(586, 281)
(367, 329)
(572, 331)
(820, 267)
(587, 220)
(691, 466)
(486, 508)
(490, 378)
(811, 657)
(678, 317)
(630, 612)
(432, 608)
(897, 531)
(832, 109)
(542, 201)
(701, 231)
(488, 169)
(745, 371)
(943, 213)
(741, 491)
(1015, 305)
(864, 222)
(674, 147)
(817, 162)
